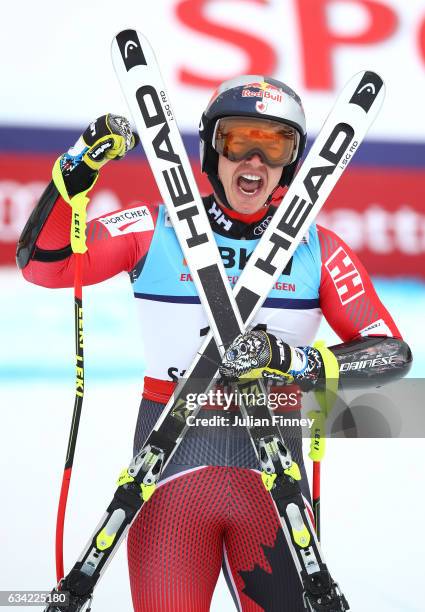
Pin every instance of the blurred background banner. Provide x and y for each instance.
(59, 77)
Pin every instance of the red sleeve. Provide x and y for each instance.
(348, 299)
(116, 242)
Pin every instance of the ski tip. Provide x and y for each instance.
(372, 78)
(366, 90)
(130, 45)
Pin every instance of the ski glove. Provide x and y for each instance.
(259, 354)
(108, 137)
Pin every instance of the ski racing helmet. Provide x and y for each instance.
(256, 96)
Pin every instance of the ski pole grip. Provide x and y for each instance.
(79, 222)
(78, 204)
(325, 399)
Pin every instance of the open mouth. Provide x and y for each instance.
(250, 184)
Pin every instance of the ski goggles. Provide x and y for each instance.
(240, 137)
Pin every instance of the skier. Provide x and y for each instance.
(211, 509)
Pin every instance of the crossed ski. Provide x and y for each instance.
(228, 313)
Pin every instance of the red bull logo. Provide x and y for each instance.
(263, 90)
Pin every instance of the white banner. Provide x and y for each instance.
(56, 68)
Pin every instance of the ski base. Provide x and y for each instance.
(280, 475)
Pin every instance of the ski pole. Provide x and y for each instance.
(78, 244)
(316, 496)
(326, 400)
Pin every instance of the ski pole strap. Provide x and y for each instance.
(78, 204)
(325, 399)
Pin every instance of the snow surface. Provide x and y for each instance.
(373, 491)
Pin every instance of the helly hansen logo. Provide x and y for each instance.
(345, 276)
(219, 216)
